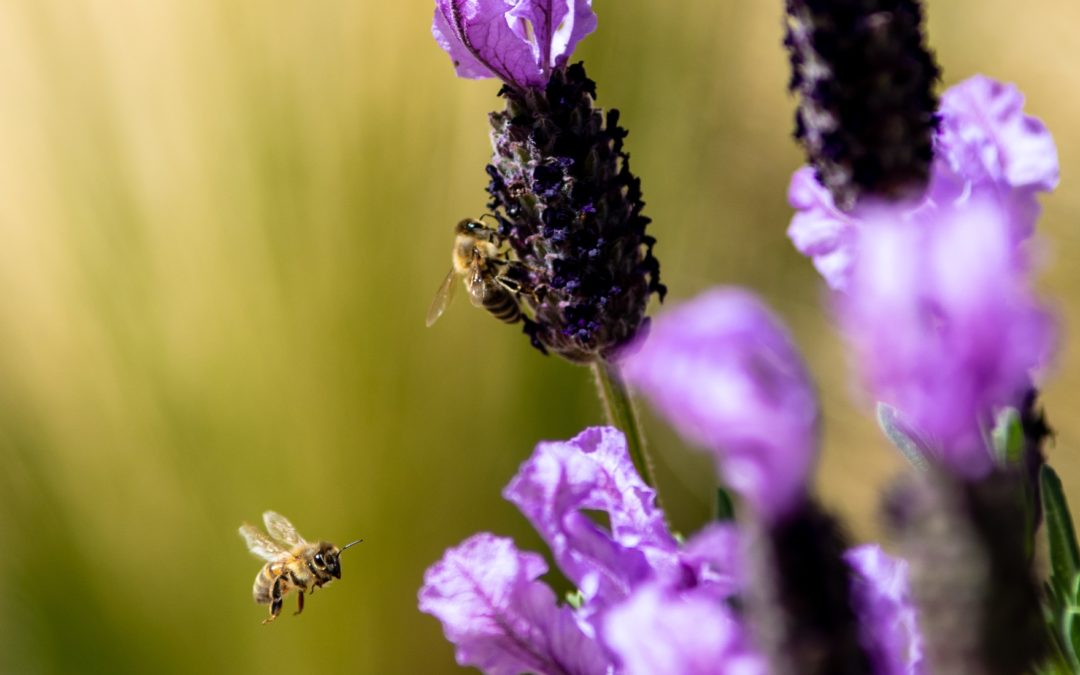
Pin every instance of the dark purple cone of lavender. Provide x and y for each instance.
(865, 80)
(971, 579)
(570, 209)
(801, 587)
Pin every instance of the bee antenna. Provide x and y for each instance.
(490, 215)
(350, 544)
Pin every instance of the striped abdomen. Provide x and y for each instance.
(502, 304)
(264, 582)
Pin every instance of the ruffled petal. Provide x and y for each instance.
(552, 28)
(518, 41)
(500, 618)
(593, 472)
(726, 375)
(478, 37)
(985, 133)
(985, 145)
(819, 230)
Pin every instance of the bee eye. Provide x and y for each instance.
(318, 559)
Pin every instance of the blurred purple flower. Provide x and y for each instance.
(502, 620)
(985, 143)
(725, 373)
(944, 324)
(657, 632)
(886, 611)
(517, 41)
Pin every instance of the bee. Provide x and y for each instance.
(477, 262)
(294, 563)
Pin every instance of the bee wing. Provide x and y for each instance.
(260, 544)
(281, 529)
(442, 298)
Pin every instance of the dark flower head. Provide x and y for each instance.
(971, 579)
(570, 210)
(865, 82)
(520, 42)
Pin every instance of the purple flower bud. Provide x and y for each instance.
(886, 611)
(944, 324)
(657, 632)
(984, 143)
(726, 374)
(501, 619)
(518, 41)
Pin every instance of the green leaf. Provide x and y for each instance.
(725, 507)
(1060, 534)
(1008, 437)
(901, 434)
(1070, 627)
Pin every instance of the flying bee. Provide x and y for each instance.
(292, 563)
(478, 263)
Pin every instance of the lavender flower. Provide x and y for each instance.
(645, 604)
(944, 323)
(502, 620)
(725, 373)
(520, 42)
(985, 143)
(866, 108)
(569, 209)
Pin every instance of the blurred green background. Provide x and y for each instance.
(221, 223)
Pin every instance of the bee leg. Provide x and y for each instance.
(509, 284)
(275, 605)
(300, 603)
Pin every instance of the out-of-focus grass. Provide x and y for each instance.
(220, 226)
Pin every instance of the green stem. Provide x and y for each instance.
(621, 414)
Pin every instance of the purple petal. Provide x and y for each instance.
(886, 612)
(711, 562)
(552, 28)
(819, 230)
(944, 324)
(500, 618)
(726, 375)
(985, 133)
(593, 471)
(518, 41)
(985, 144)
(659, 633)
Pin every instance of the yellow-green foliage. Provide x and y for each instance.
(221, 222)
